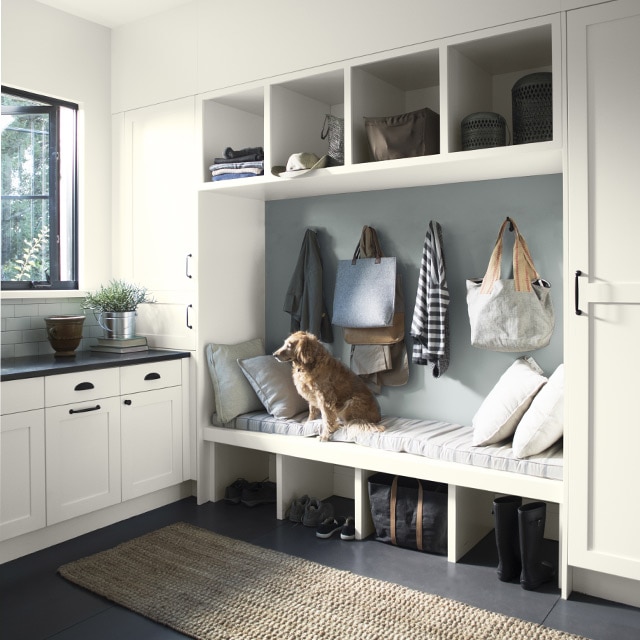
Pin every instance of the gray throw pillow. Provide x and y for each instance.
(233, 394)
(273, 383)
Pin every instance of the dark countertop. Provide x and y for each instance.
(48, 365)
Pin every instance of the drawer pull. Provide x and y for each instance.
(152, 376)
(84, 386)
(96, 408)
(127, 402)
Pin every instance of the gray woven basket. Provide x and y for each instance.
(532, 108)
(333, 129)
(482, 130)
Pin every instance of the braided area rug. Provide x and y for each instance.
(211, 587)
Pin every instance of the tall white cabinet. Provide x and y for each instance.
(156, 216)
(602, 322)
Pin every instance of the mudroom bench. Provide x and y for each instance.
(258, 445)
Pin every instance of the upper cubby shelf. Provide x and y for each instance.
(454, 77)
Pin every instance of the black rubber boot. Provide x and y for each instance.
(535, 571)
(505, 514)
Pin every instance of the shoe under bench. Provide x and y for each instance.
(304, 465)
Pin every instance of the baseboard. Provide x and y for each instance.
(607, 587)
(54, 534)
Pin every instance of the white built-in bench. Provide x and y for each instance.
(258, 445)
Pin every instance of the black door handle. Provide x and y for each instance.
(577, 292)
(96, 408)
(127, 402)
(84, 386)
(189, 326)
(152, 376)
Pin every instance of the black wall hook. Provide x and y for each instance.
(510, 223)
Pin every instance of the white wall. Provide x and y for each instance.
(55, 54)
(209, 44)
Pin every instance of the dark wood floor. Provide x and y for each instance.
(36, 603)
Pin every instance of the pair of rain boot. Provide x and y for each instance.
(519, 535)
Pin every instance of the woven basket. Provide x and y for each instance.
(483, 130)
(532, 108)
(333, 129)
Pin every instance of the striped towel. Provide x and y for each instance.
(430, 325)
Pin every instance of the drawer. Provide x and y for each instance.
(68, 388)
(154, 375)
(22, 395)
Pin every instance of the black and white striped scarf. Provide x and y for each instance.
(430, 325)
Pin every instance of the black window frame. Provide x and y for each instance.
(52, 107)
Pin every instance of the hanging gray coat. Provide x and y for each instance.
(304, 299)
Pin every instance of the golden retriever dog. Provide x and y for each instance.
(332, 390)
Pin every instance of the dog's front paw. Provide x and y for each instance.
(324, 436)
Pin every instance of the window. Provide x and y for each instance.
(39, 168)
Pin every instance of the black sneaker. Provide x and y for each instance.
(256, 493)
(330, 526)
(348, 530)
(233, 492)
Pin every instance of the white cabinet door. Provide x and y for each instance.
(160, 222)
(151, 441)
(22, 482)
(602, 344)
(82, 458)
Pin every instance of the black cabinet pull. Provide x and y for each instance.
(189, 326)
(83, 386)
(577, 293)
(189, 255)
(96, 408)
(152, 376)
(127, 402)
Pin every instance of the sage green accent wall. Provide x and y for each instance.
(470, 215)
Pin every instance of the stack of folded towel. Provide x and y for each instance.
(242, 163)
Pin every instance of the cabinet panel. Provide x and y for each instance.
(22, 480)
(161, 184)
(602, 435)
(81, 386)
(147, 377)
(151, 441)
(82, 458)
(22, 395)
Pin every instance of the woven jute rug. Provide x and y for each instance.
(212, 587)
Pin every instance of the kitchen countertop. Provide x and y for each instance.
(47, 365)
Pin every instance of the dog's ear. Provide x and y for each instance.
(305, 349)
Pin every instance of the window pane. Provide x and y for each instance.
(25, 202)
(25, 239)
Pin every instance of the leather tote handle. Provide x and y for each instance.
(419, 511)
(524, 271)
(369, 236)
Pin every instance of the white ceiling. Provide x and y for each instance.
(113, 13)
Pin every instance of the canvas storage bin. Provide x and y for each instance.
(408, 512)
(407, 135)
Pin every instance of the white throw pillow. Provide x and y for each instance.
(233, 393)
(273, 382)
(501, 411)
(543, 423)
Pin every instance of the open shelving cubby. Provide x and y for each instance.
(454, 77)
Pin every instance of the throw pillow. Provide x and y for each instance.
(543, 423)
(501, 411)
(273, 383)
(233, 394)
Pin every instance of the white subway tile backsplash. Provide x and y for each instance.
(23, 326)
(18, 324)
(26, 310)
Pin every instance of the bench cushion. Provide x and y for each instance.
(429, 438)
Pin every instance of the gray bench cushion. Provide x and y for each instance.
(428, 438)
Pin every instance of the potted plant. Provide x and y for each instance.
(115, 305)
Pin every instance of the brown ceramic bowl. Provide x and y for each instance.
(64, 333)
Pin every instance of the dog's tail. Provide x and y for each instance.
(359, 426)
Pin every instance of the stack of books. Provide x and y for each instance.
(121, 345)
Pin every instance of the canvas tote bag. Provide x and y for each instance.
(365, 290)
(510, 315)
